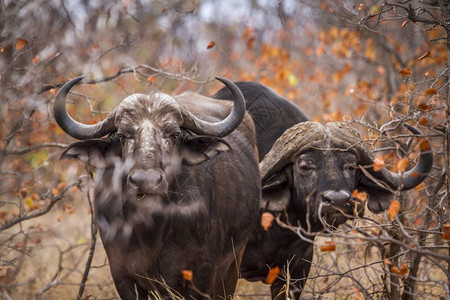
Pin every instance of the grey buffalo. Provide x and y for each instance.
(177, 190)
(308, 178)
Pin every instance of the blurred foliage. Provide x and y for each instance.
(375, 64)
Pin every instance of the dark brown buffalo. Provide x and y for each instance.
(173, 192)
(308, 178)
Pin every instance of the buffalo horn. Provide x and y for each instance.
(224, 127)
(73, 128)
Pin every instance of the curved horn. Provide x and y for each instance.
(411, 178)
(73, 128)
(224, 127)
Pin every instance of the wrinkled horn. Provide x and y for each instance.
(76, 129)
(292, 141)
(224, 127)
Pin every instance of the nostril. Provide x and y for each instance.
(155, 178)
(326, 201)
(147, 181)
(136, 178)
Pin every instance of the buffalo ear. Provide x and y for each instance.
(379, 197)
(275, 193)
(92, 152)
(198, 149)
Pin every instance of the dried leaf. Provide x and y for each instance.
(430, 92)
(424, 145)
(405, 72)
(393, 209)
(402, 271)
(387, 261)
(23, 193)
(267, 220)
(210, 45)
(378, 163)
(272, 275)
(329, 246)
(423, 106)
(35, 59)
(446, 228)
(21, 43)
(402, 164)
(423, 121)
(187, 275)
(3, 214)
(404, 23)
(446, 236)
(362, 196)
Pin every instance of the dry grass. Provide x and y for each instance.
(55, 251)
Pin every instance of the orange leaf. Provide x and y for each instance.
(405, 72)
(387, 261)
(3, 214)
(430, 92)
(210, 45)
(402, 271)
(329, 246)
(272, 275)
(424, 145)
(402, 164)
(423, 121)
(427, 54)
(21, 43)
(362, 196)
(378, 163)
(151, 78)
(23, 193)
(423, 106)
(35, 59)
(393, 209)
(446, 236)
(446, 228)
(404, 23)
(267, 220)
(187, 275)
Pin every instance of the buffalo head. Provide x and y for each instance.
(313, 169)
(153, 133)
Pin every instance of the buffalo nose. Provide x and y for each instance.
(339, 198)
(147, 181)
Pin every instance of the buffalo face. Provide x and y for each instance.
(150, 137)
(312, 171)
(326, 180)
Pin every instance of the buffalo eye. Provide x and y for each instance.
(306, 168)
(121, 137)
(175, 135)
(349, 168)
